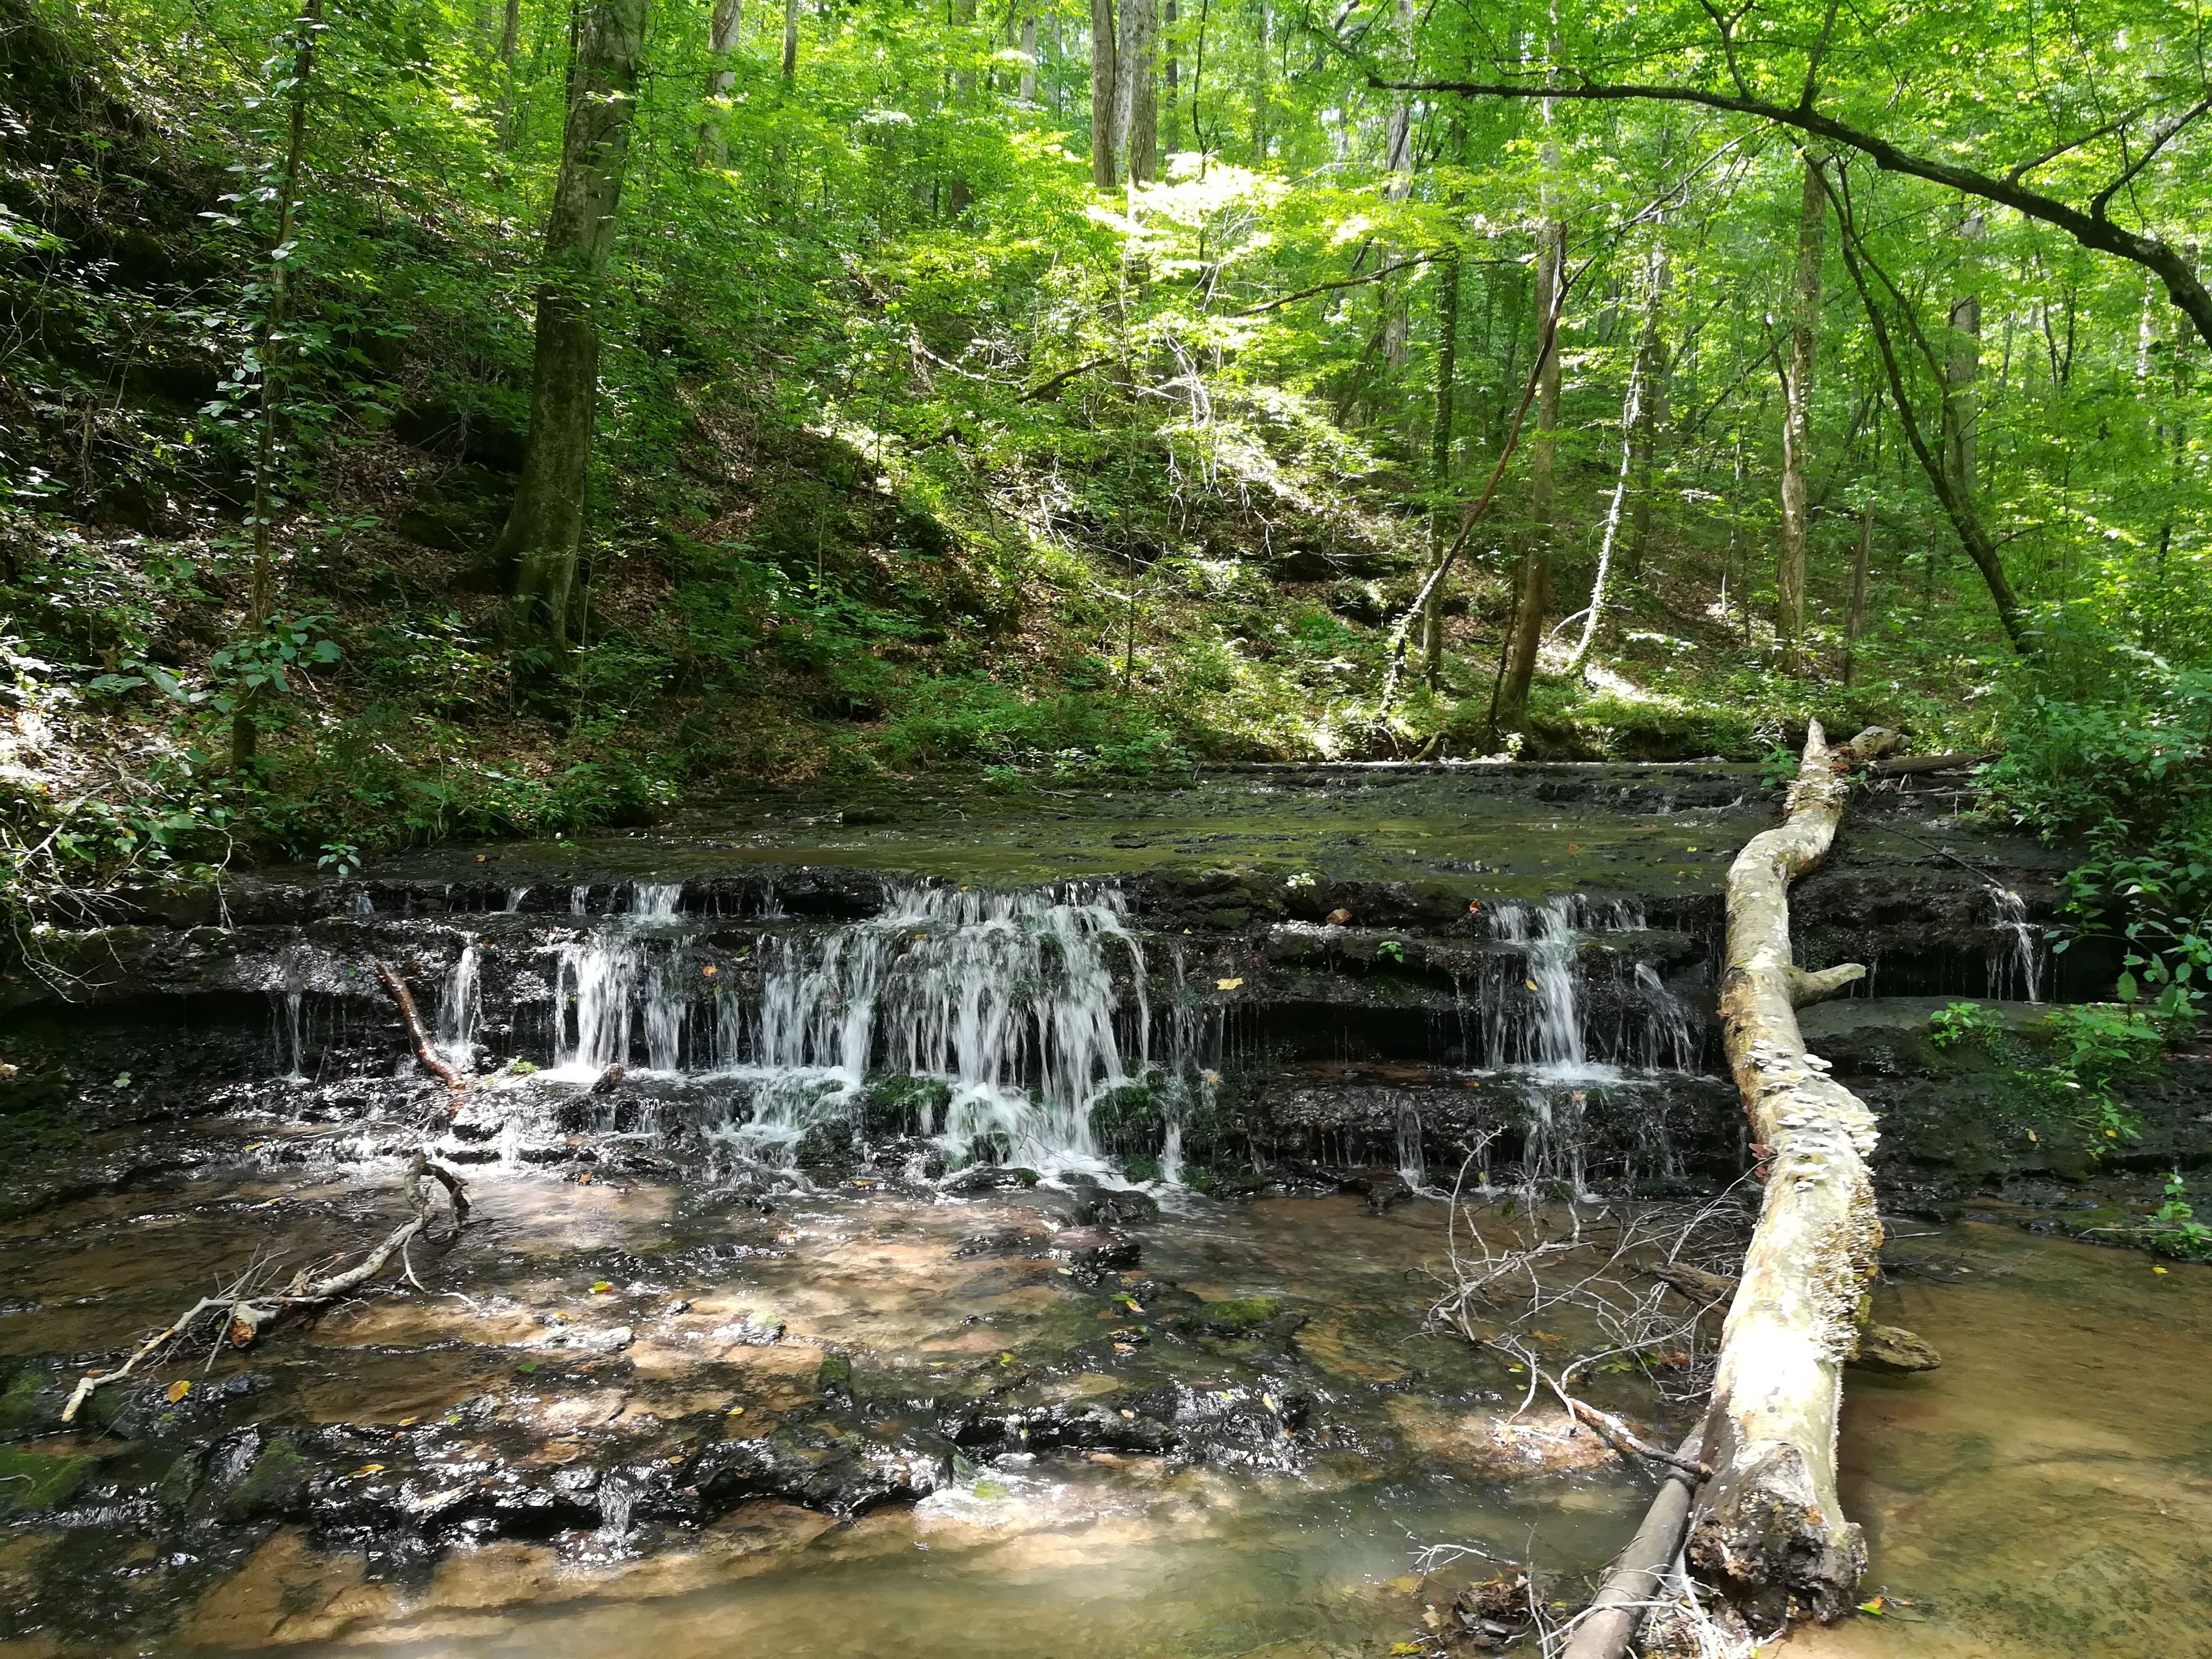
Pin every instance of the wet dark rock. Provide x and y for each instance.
(1893, 1351)
(1382, 1189)
(1093, 1249)
(989, 1178)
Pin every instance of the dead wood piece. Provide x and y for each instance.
(1611, 1624)
(1769, 1529)
(1909, 765)
(1694, 1282)
(246, 1313)
(1617, 1435)
(426, 1052)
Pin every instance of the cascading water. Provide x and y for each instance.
(461, 1008)
(1011, 1000)
(1545, 1035)
(2022, 966)
(597, 982)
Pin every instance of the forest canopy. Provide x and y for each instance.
(430, 417)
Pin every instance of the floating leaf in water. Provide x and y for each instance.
(988, 1490)
(708, 971)
(409, 1422)
(367, 1469)
(600, 1287)
(178, 1390)
(1531, 984)
(1227, 984)
(736, 1411)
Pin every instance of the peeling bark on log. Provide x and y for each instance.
(1769, 1530)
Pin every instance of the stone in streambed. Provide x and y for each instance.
(1892, 1350)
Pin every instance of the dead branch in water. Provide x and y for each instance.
(243, 1313)
(426, 1051)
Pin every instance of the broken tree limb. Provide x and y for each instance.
(245, 1314)
(1769, 1529)
(426, 1052)
(1611, 1624)
(1619, 1436)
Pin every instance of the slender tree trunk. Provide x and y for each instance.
(1171, 78)
(1397, 315)
(790, 41)
(544, 529)
(1957, 507)
(1797, 422)
(274, 349)
(1135, 118)
(1855, 623)
(1261, 80)
(1962, 369)
(510, 38)
(722, 81)
(1651, 365)
(1105, 168)
(963, 86)
(1534, 587)
(1440, 453)
(1632, 421)
(1028, 89)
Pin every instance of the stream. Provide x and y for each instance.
(922, 1226)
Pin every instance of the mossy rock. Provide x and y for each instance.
(31, 1483)
(272, 1485)
(1240, 1316)
(25, 1408)
(904, 1105)
(1130, 1120)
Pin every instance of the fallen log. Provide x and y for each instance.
(1769, 1530)
(1913, 765)
(1611, 1624)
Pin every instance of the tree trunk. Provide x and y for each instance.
(261, 591)
(1534, 586)
(1652, 368)
(1397, 316)
(1027, 92)
(1171, 78)
(1260, 82)
(544, 529)
(1962, 368)
(1769, 1530)
(1797, 422)
(1135, 116)
(790, 41)
(510, 37)
(722, 81)
(1440, 453)
(964, 86)
(1855, 621)
(1631, 410)
(1104, 168)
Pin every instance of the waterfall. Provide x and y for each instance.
(2022, 965)
(461, 1007)
(1009, 999)
(597, 983)
(1413, 1166)
(294, 1043)
(1551, 1042)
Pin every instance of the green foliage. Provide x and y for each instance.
(2174, 1230)
(2097, 1045)
(1966, 1025)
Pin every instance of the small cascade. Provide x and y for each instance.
(1547, 1033)
(616, 1503)
(295, 1041)
(1551, 1040)
(460, 1009)
(1011, 998)
(597, 982)
(2019, 968)
(1413, 1165)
